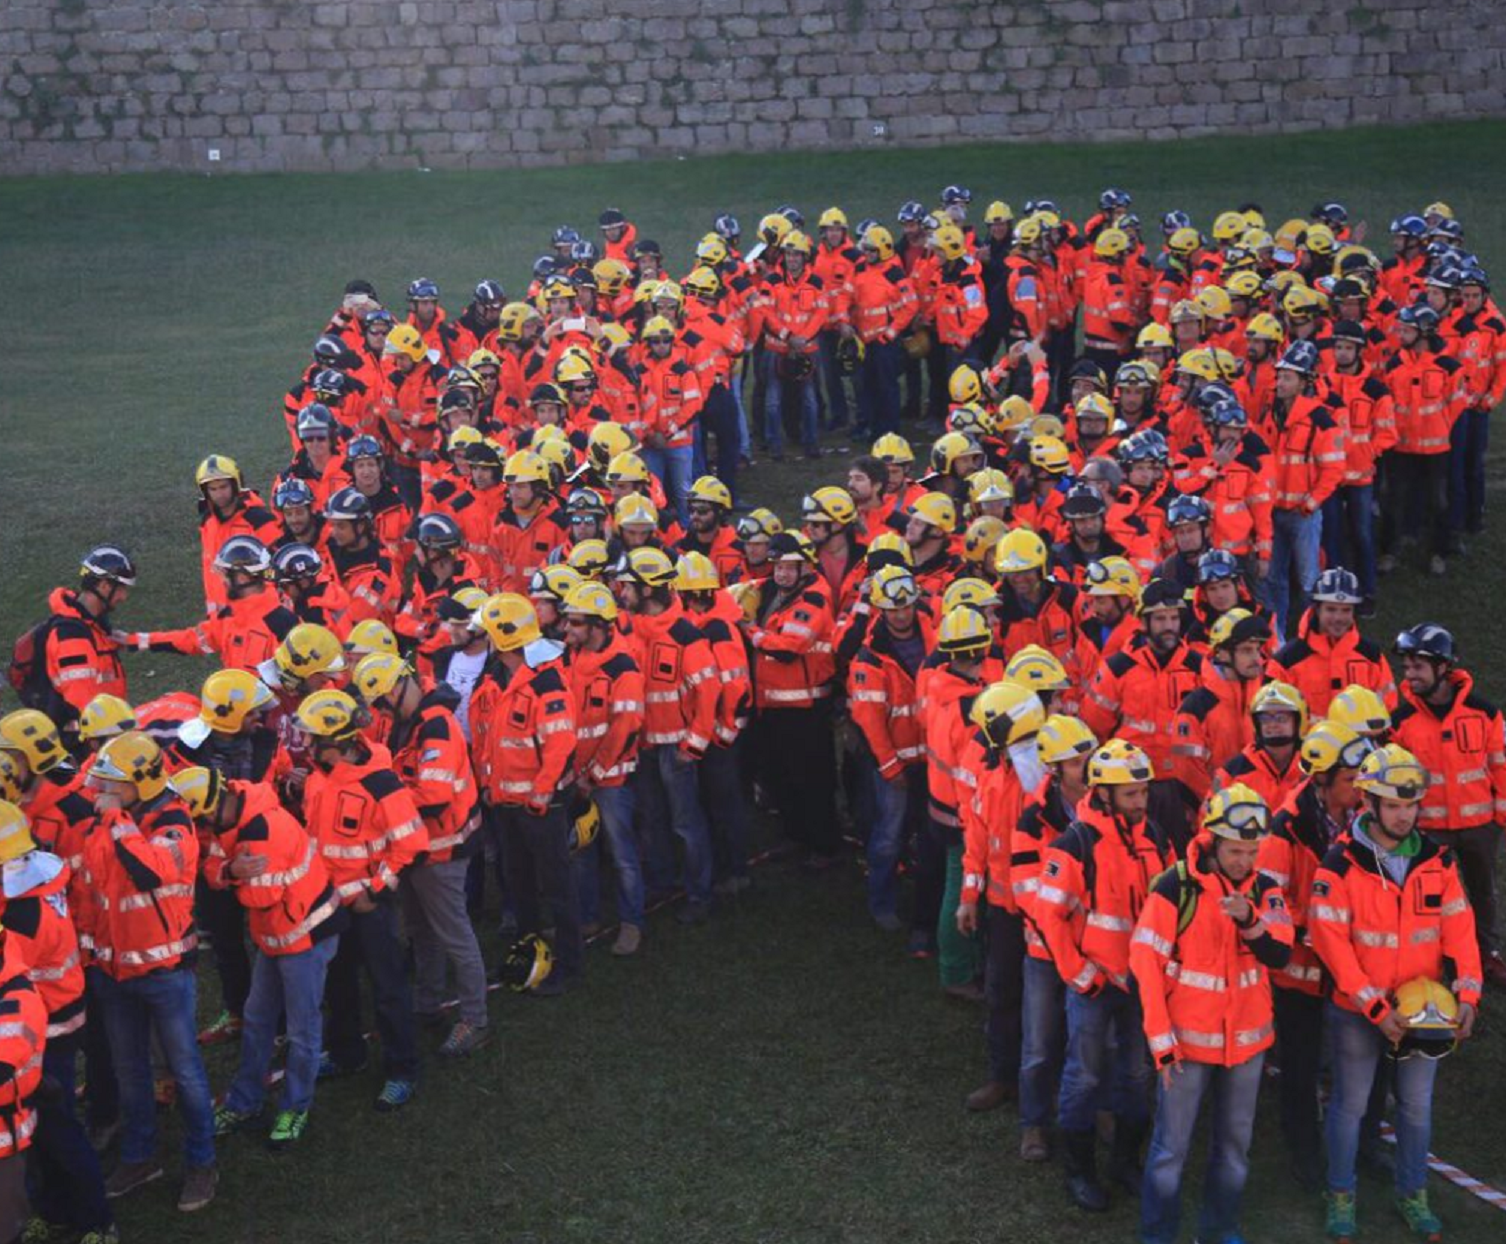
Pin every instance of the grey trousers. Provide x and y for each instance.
(434, 907)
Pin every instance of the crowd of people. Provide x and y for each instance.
(1084, 675)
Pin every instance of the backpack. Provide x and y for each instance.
(28, 667)
(1188, 892)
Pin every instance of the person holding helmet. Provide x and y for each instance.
(1093, 882)
(243, 632)
(1133, 696)
(882, 307)
(1387, 908)
(530, 526)
(885, 708)
(1458, 736)
(140, 862)
(1429, 389)
(1314, 816)
(795, 305)
(368, 831)
(227, 508)
(259, 853)
(429, 754)
(1328, 652)
(1108, 325)
(1007, 718)
(1205, 989)
(708, 529)
(607, 687)
(1269, 762)
(1214, 722)
(794, 673)
(73, 657)
(307, 588)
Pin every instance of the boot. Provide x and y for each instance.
(1082, 1174)
(1124, 1161)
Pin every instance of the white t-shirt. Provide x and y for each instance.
(463, 674)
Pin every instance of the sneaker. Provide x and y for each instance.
(464, 1039)
(629, 939)
(226, 1027)
(1421, 1220)
(287, 1130)
(329, 1069)
(227, 1120)
(395, 1095)
(199, 1183)
(128, 1176)
(1340, 1224)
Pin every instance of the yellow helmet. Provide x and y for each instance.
(217, 467)
(585, 823)
(406, 340)
(15, 833)
(880, 241)
(508, 620)
(1319, 240)
(1237, 626)
(104, 717)
(552, 582)
(1392, 772)
(832, 218)
(893, 587)
(774, 228)
(989, 484)
(648, 566)
(1360, 709)
(1155, 337)
(1034, 667)
(606, 441)
(10, 778)
(377, 675)
(1238, 813)
(829, 505)
(592, 600)
(1280, 697)
(526, 467)
(1257, 239)
(1185, 311)
(1007, 713)
(635, 510)
(1111, 243)
(512, 318)
(709, 252)
(369, 635)
(758, 524)
(135, 758)
(1118, 763)
(890, 543)
(627, 468)
(964, 631)
(998, 213)
(1264, 326)
(949, 447)
(1229, 227)
(1200, 363)
(1243, 284)
(1254, 218)
(965, 385)
(306, 650)
(331, 715)
(658, 326)
(950, 242)
(1061, 738)
(32, 735)
(612, 276)
(975, 592)
(937, 509)
(589, 558)
(1028, 232)
(573, 367)
(1213, 301)
(747, 594)
(1020, 550)
(703, 282)
(1183, 242)
(1430, 1012)
(1114, 576)
(462, 437)
(970, 419)
(229, 697)
(1014, 412)
(1136, 374)
(203, 790)
(711, 491)
(793, 546)
(794, 240)
(695, 572)
(1228, 364)
(1050, 453)
(1440, 209)
(892, 447)
(1094, 404)
(1301, 304)
(1333, 745)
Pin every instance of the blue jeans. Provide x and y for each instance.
(291, 985)
(1349, 533)
(66, 1184)
(615, 803)
(897, 809)
(161, 1004)
(1295, 540)
(1235, 1092)
(1043, 1041)
(719, 419)
(1357, 1050)
(673, 467)
(773, 422)
(668, 784)
(726, 809)
(831, 372)
(1468, 443)
(1099, 1029)
(878, 388)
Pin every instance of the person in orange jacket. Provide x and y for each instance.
(670, 399)
(531, 525)
(1314, 816)
(21, 1052)
(958, 304)
(1108, 324)
(1210, 934)
(368, 575)
(1007, 718)
(140, 863)
(227, 508)
(407, 407)
(1328, 653)
(391, 516)
(258, 850)
(307, 587)
(1387, 909)
(1458, 736)
(79, 659)
(796, 306)
(1229, 467)
(242, 633)
(1213, 722)
(1268, 764)
(368, 831)
(606, 683)
(883, 306)
(1478, 331)
(836, 262)
(523, 739)
(1093, 883)
(682, 690)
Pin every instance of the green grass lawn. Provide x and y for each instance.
(782, 1074)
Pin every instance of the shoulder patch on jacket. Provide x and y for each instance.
(380, 783)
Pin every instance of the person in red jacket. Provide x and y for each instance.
(523, 747)
(884, 305)
(139, 863)
(1213, 723)
(795, 307)
(836, 262)
(1108, 323)
(227, 508)
(259, 850)
(607, 685)
(1210, 933)
(958, 304)
(21, 1052)
(430, 754)
(709, 531)
(1387, 909)
(79, 659)
(670, 400)
(530, 527)
(1093, 883)
(368, 831)
(370, 578)
(1458, 736)
(1328, 653)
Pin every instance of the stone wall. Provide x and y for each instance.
(116, 85)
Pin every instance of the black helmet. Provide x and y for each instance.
(1186, 508)
(292, 491)
(1420, 316)
(543, 267)
(1216, 565)
(243, 553)
(727, 228)
(438, 531)
(348, 504)
(490, 291)
(108, 562)
(317, 419)
(1161, 594)
(1300, 356)
(296, 561)
(1083, 501)
(1337, 586)
(911, 211)
(364, 447)
(423, 287)
(1349, 330)
(329, 380)
(565, 235)
(611, 218)
(330, 352)
(1427, 639)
